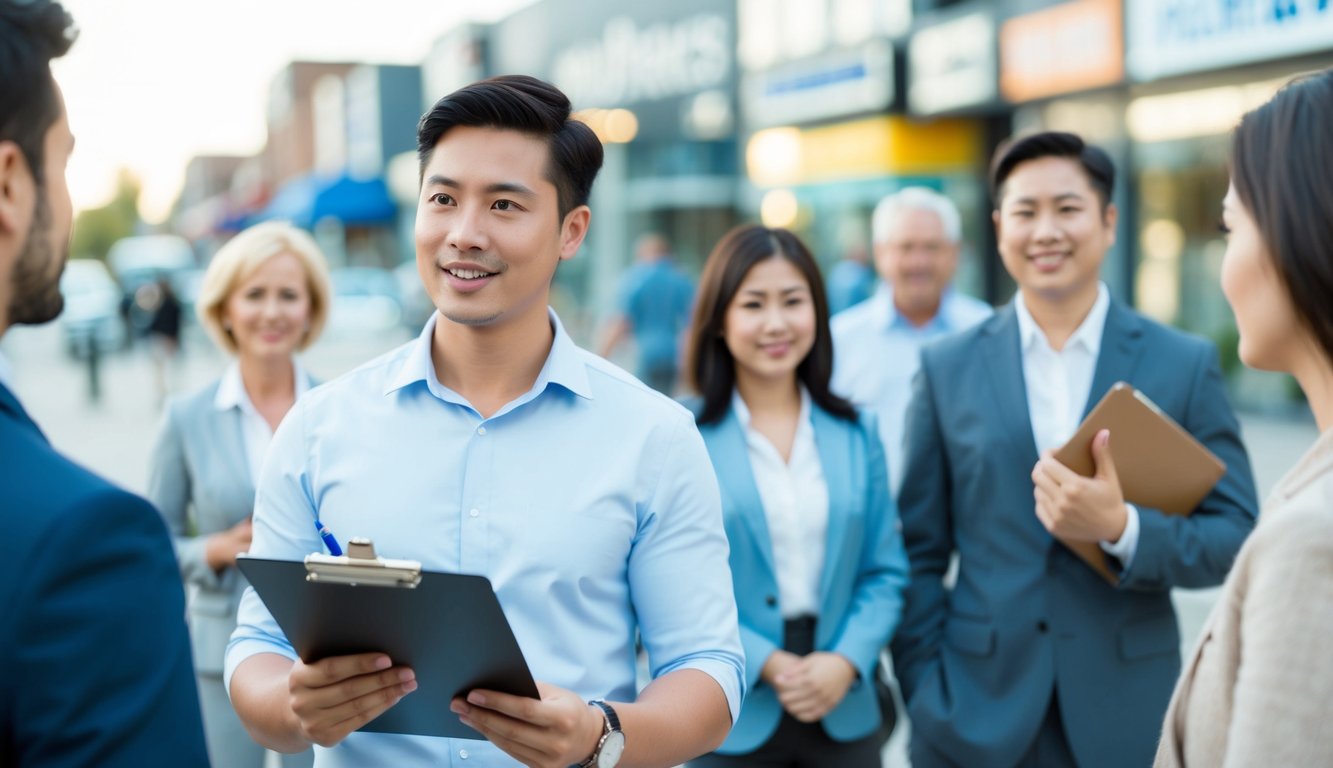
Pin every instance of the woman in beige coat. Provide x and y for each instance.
(1259, 688)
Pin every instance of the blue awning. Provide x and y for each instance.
(308, 199)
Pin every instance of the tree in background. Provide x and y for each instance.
(95, 229)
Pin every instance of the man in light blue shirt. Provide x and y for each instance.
(877, 343)
(493, 445)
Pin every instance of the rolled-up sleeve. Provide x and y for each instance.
(678, 570)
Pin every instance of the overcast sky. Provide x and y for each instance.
(150, 83)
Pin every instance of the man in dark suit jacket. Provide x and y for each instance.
(1032, 658)
(95, 665)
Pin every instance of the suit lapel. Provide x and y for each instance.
(1004, 357)
(832, 440)
(9, 403)
(731, 458)
(231, 441)
(1122, 344)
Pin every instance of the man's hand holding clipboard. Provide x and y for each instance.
(1126, 450)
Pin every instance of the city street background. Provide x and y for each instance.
(114, 436)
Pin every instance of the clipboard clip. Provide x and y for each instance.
(361, 566)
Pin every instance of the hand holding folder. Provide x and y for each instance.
(449, 628)
(1160, 465)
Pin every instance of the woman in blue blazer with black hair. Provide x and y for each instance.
(816, 557)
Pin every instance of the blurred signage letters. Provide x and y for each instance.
(1169, 37)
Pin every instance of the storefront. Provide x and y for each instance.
(657, 81)
(953, 73)
(1062, 68)
(1198, 65)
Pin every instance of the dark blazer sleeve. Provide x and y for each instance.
(1198, 550)
(103, 654)
(924, 504)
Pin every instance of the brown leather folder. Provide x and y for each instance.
(1160, 465)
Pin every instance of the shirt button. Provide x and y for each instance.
(473, 512)
(771, 601)
(1042, 627)
(462, 753)
(481, 430)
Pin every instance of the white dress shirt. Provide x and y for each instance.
(6, 373)
(1058, 387)
(255, 431)
(795, 498)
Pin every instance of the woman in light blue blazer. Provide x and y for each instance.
(816, 558)
(264, 296)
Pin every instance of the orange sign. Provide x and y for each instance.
(1070, 47)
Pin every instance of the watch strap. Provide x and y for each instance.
(610, 724)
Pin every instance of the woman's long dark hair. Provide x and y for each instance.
(1281, 161)
(711, 368)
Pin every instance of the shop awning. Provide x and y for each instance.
(309, 199)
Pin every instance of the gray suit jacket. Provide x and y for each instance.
(1259, 687)
(1026, 618)
(199, 479)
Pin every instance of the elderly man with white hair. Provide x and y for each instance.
(917, 238)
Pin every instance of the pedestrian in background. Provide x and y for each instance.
(653, 307)
(94, 656)
(917, 239)
(851, 281)
(264, 296)
(164, 335)
(1031, 657)
(816, 557)
(1259, 685)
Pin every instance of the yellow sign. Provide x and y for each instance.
(875, 146)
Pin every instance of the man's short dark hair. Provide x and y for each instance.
(527, 105)
(32, 32)
(1094, 161)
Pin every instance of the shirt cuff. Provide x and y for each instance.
(1124, 548)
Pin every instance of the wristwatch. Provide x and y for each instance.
(612, 744)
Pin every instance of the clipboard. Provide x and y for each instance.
(448, 627)
(1160, 465)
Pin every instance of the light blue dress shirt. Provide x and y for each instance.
(876, 352)
(589, 502)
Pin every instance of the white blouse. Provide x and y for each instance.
(795, 498)
(255, 432)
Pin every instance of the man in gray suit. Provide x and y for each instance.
(1032, 658)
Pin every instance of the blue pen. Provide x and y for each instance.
(329, 541)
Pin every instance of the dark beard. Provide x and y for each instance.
(36, 291)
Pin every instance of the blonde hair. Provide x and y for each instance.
(242, 255)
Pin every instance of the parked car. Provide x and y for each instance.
(365, 301)
(92, 309)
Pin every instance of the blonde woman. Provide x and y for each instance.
(264, 296)
(1259, 688)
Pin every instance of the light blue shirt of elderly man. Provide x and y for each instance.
(877, 343)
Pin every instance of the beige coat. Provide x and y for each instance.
(1259, 687)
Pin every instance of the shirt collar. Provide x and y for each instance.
(564, 366)
(743, 412)
(231, 388)
(888, 318)
(6, 373)
(1088, 334)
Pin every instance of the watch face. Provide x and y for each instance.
(614, 746)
